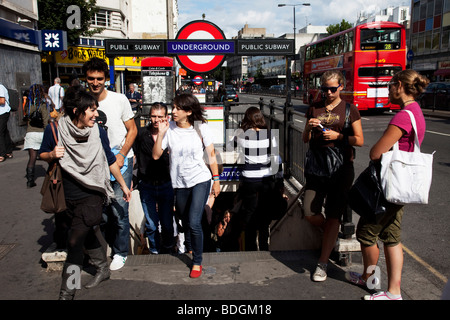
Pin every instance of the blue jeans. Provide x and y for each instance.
(151, 197)
(119, 208)
(190, 203)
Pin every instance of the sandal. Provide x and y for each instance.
(9, 155)
(2, 159)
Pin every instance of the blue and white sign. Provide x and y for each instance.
(410, 55)
(200, 47)
(53, 40)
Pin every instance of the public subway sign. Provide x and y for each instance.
(200, 46)
(129, 47)
(265, 47)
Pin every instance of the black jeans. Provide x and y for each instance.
(256, 211)
(85, 215)
(6, 144)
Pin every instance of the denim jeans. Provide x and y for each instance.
(119, 208)
(190, 203)
(157, 203)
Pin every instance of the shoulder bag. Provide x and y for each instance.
(52, 191)
(326, 161)
(406, 176)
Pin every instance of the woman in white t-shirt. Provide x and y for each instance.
(186, 137)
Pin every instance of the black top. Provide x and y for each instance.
(150, 170)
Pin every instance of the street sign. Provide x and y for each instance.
(199, 47)
(410, 55)
(135, 47)
(198, 80)
(201, 30)
(53, 40)
(262, 47)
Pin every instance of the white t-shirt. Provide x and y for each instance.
(118, 110)
(187, 167)
(4, 108)
(56, 93)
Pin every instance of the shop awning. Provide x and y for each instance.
(442, 72)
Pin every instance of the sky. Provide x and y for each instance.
(232, 15)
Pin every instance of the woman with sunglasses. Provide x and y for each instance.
(325, 128)
(404, 87)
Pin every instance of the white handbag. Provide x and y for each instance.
(406, 176)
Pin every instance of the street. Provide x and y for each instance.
(426, 228)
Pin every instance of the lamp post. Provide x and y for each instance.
(293, 7)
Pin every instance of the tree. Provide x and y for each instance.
(338, 27)
(73, 16)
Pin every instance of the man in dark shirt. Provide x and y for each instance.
(155, 186)
(134, 97)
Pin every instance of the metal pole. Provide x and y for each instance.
(287, 120)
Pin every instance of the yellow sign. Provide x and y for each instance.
(79, 55)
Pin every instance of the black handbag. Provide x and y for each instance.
(366, 196)
(35, 119)
(323, 162)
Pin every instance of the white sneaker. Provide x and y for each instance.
(118, 262)
(321, 273)
(382, 295)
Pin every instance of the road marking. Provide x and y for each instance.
(426, 265)
(440, 133)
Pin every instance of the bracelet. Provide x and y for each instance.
(122, 155)
(216, 178)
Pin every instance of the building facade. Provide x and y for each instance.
(20, 59)
(430, 38)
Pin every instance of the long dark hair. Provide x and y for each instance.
(253, 118)
(188, 102)
(77, 97)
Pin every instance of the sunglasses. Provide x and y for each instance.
(332, 89)
(94, 78)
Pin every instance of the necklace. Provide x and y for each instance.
(330, 107)
(404, 104)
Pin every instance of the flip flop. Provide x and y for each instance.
(9, 155)
(2, 159)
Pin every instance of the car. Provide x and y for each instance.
(232, 96)
(437, 94)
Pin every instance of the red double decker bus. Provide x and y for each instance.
(368, 55)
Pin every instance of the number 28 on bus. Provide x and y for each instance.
(368, 55)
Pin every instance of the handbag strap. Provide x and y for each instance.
(52, 125)
(416, 137)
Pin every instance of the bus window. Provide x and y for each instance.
(380, 39)
(375, 72)
(350, 41)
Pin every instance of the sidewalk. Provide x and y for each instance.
(283, 275)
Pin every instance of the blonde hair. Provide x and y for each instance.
(413, 82)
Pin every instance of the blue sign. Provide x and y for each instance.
(230, 173)
(410, 55)
(192, 47)
(19, 33)
(53, 40)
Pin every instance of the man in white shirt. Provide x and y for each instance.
(56, 93)
(6, 145)
(122, 132)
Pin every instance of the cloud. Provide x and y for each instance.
(232, 15)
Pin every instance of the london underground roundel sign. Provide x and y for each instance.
(200, 29)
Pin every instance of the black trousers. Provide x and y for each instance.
(84, 216)
(6, 144)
